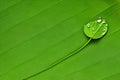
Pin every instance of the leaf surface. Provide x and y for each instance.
(35, 33)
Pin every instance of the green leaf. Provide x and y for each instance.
(36, 33)
(96, 29)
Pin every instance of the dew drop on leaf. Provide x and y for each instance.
(99, 20)
(88, 25)
(96, 29)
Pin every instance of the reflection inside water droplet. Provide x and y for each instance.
(103, 21)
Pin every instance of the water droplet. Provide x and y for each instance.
(96, 29)
(99, 20)
(103, 21)
(88, 25)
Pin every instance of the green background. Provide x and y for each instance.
(35, 33)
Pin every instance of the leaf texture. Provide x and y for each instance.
(35, 33)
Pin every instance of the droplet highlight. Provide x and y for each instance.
(99, 20)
